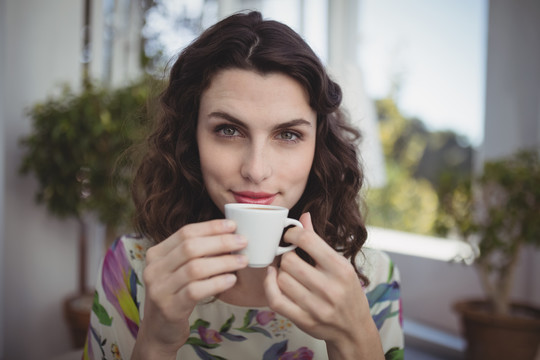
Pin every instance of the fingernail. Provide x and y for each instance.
(230, 279)
(228, 224)
(242, 259)
(240, 240)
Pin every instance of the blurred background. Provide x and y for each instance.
(437, 87)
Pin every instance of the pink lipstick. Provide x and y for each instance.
(250, 197)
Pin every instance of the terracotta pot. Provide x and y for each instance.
(77, 310)
(490, 336)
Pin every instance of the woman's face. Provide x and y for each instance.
(256, 138)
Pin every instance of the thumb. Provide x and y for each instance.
(305, 219)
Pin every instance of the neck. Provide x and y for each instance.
(248, 290)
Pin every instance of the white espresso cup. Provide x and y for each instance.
(262, 225)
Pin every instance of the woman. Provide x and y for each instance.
(249, 115)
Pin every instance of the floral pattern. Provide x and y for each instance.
(119, 284)
(255, 321)
(384, 293)
(219, 330)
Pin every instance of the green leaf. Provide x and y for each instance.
(198, 323)
(101, 312)
(249, 317)
(90, 130)
(246, 330)
(198, 342)
(390, 271)
(226, 327)
(394, 354)
(261, 331)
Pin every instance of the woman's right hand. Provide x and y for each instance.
(192, 264)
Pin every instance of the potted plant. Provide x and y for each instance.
(498, 213)
(74, 149)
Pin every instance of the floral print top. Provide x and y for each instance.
(220, 330)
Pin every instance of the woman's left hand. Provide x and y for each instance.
(326, 300)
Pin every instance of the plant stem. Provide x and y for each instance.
(83, 244)
(489, 288)
(506, 281)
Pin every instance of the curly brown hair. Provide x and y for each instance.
(169, 191)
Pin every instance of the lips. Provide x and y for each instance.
(250, 197)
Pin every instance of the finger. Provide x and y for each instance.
(196, 230)
(204, 268)
(205, 247)
(192, 249)
(197, 270)
(310, 277)
(199, 290)
(278, 301)
(298, 293)
(323, 255)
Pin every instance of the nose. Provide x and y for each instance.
(256, 166)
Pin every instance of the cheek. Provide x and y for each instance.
(206, 150)
(209, 166)
(298, 166)
(206, 159)
(216, 165)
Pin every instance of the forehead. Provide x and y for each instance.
(247, 91)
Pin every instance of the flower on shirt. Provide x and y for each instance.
(279, 351)
(116, 352)
(254, 322)
(264, 317)
(302, 353)
(280, 327)
(137, 253)
(209, 336)
(253, 319)
(120, 285)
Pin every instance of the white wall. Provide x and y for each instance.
(39, 254)
(431, 287)
(40, 45)
(512, 120)
(2, 169)
(513, 77)
(513, 99)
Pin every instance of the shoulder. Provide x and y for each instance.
(377, 266)
(127, 252)
(134, 246)
(384, 278)
(115, 317)
(384, 297)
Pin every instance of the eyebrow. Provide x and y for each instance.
(287, 124)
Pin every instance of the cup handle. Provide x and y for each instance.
(283, 249)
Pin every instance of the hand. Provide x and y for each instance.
(192, 264)
(326, 300)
